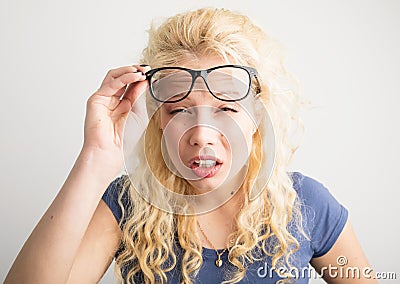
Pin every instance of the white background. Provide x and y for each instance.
(54, 54)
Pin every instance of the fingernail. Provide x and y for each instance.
(143, 65)
(138, 71)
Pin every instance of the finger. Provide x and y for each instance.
(134, 91)
(132, 101)
(120, 92)
(117, 85)
(115, 73)
(143, 67)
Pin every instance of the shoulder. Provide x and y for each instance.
(112, 196)
(115, 187)
(304, 184)
(311, 192)
(324, 216)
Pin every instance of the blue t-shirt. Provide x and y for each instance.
(323, 220)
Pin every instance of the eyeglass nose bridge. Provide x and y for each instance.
(204, 75)
(200, 73)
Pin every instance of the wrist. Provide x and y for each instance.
(101, 164)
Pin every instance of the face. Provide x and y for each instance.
(208, 140)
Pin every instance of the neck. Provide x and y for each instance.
(218, 224)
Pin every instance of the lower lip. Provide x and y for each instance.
(206, 172)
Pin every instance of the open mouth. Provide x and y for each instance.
(205, 166)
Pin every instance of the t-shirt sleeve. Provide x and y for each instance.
(325, 216)
(110, 197)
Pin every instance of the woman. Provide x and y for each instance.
(207, 197)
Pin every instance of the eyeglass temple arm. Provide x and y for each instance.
(258, 87)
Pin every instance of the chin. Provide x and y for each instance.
(205, 185)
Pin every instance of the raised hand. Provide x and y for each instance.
(108, 108)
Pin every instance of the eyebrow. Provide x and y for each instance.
(190, 99)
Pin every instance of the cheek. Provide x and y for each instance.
(164, 119)
(248, 132)
(173, 130)
(172, 135)
(238, 140)
(241, 133)
(175, 143)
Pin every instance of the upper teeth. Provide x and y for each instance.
(205, 163)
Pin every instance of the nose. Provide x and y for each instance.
(203, 135)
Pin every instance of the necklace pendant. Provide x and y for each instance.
(218, 262)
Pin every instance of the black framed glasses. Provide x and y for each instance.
(225, 82)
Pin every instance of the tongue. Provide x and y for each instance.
(203, 171)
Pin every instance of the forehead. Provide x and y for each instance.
(204, 62)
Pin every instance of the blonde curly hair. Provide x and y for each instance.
(149, 234)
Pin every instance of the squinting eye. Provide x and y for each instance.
(179, 110)
(228, 109)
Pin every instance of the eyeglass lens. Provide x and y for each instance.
(226, 83)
